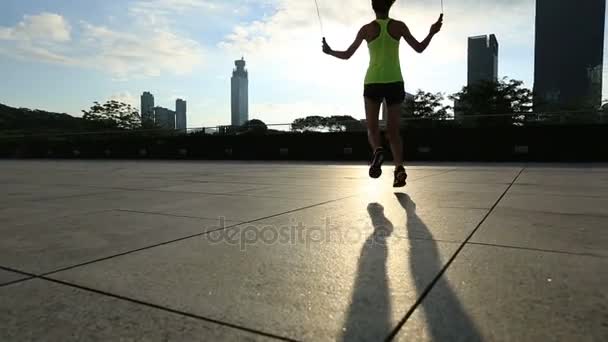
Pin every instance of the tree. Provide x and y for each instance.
(486, 99)
(341, 123)
(426, 105)
(253, 126)
(309, 123)
(114, 114)
(28, 120)
(335, 123)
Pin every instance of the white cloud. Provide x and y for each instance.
(48, 27)
(286, 47)
(37, 37)
(5, 33)
(166, 6)
(143, 51)
(126, 97)
(166, 12)
(204, 6)
(139, 50)
(27, 51)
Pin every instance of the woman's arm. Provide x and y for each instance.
(350, 51)
(413, 42)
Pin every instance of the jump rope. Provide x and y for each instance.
(321, 21)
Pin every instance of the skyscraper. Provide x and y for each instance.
(147, 107)
(482, 59)
(165, 118)
(568, 54)
(180, 115)
(240, 97)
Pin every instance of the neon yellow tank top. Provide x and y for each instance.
(384, 66)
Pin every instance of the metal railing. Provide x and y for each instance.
(517, 119)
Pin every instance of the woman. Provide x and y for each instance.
(384, 80)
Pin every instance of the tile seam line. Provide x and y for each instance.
(47, 199)
(167, 309)
(9, 269)
(27, 275)
(160, 213)
(234, 225)
(430, 286)
(16, 281)
(363, 193)
(540, 250)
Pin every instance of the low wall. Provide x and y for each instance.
(550, 143)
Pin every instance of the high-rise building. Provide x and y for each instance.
(164, 118)
(147, 107)
(180, 115)
(482, 59)
(568, 54)
(240, 97)
(460, 110)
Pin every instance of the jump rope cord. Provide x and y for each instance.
(319, 15)
(321, 21)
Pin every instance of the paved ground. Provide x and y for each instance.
(160, 251)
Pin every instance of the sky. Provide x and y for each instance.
(62, 55)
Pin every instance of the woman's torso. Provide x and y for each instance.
(384, 65)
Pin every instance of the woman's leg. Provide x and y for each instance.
(372, 111)
(394, 133)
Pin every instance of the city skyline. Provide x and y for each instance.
(181, 116)
(147, 107)
(165, 118)
(60, 57)
(568, 63)
(482, 59)
(239, 94)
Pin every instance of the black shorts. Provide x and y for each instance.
(394, 93)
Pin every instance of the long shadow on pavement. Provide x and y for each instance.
(446, 319)
(369, 314)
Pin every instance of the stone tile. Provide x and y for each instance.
(302, 193)
(505, 294)
(579, 176)
(455, 195)
(38, 310)
(115, 182)
(19, 214)
(427, 192)
(497, 176)
(63, 242)
(566, 189)
(37, 192)
(7, 277)
(213, 188)
(313, 286)
(583, 234)
(297, 284)
(577, 205)
(350, 219)
(231, 207)
(430, 184)
(271, 180)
